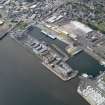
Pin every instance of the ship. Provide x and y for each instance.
(102, 63)
(49, 35)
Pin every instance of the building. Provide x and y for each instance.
(93, 91)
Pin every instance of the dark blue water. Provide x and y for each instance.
(85, 64)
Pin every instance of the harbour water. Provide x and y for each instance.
(24, 81)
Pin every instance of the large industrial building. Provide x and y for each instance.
(93, 91)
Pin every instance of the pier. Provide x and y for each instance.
(3, 35)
